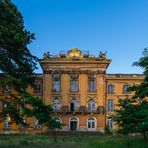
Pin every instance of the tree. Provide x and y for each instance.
(18, 65)
(133, 113)
(34, 107)
(16, 61)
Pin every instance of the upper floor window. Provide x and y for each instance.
(56, 83)
(110, 105)
(91, 83)
(91, 105)
(37, 88)
(56, 104)
(74, 82)
(124, 89)
(6, 89)
(73, 105)
(110, 89)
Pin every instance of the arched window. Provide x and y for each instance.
(91, 124)
(73, 105)
(36, 124)
(56, 104)
(91, 105)
(91, 83)
(56, 83)
(57, 119)
(74, 82)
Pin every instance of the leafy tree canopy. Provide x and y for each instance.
(16, 61)
(133, 113)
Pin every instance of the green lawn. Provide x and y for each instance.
(72, 142)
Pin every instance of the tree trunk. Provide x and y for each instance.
(145, 135)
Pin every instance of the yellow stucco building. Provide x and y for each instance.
(82, 95)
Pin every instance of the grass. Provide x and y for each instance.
(36, 141)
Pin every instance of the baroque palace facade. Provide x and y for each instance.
(82, 95)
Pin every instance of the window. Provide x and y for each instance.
(124, 89)
(6, 89)
(6, 103)
(91, 83)
(36, 124)
(110, 105)
(91, 105)
(110, 122)
(23, 123)
(91, 124)
(56, 105)
(21, 103)
(57, 119)
(56, 84)
(6, 123)
(73, 104)
(110, 89)
(37, 88)
(73, 82)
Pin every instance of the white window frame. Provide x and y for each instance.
(91, 105)
(110, 105)
(92, 121)
(56, 104)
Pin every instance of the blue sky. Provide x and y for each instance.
(119, 27)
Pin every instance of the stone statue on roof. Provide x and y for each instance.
(46, 55)
(102, 55)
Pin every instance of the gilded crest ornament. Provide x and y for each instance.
(74, 54)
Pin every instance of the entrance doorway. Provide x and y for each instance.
(73, 124)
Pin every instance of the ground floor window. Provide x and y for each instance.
(57, 119)
(91, 124)
(110, 122)
(6, 123)
(36, 124)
